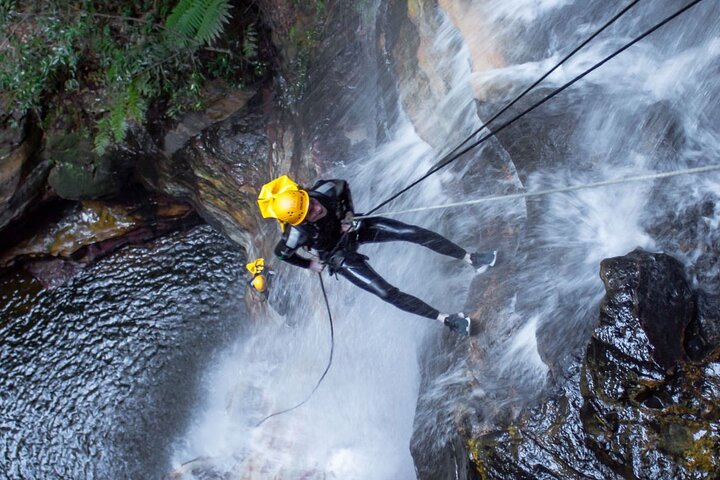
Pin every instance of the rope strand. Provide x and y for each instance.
(539, 80)
(537, 104)
(636, 178)
(327, 368)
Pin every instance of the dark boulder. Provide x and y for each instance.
(703, 338)
(636, 406)
(647, 308)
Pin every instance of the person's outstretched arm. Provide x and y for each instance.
(286, 249)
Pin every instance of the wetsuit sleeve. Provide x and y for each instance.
(286, 249)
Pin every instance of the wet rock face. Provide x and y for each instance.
(57, 244)
(78, 173)
(635, 378)
(692, 232)
(22, 172)
(703, 342)
(221, 170)
(418, 55)
(637, 406)
(220, 102)
(650, 289)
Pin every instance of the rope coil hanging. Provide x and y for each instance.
(327, 368)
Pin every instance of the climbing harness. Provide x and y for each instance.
(572, 188)
(445, 162)
(322, 377)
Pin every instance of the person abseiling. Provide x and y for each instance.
(322, 219)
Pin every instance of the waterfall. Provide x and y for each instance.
(652, 108)
(148, 362)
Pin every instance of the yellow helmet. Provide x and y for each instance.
(284, 200)
(259, 283)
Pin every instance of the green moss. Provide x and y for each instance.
(483, 449)
(303, 39)
(478, 448)
(78, 172)
(704, 453)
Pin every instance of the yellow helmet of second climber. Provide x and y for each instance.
(259, 283)
(284, 200)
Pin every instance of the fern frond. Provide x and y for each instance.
(102, 138)
(216, 15)
(173, 20)
(144, 86)
(6, 8)
(202, 20)
(195, 18)
(135, 107)
(118, 124)
(250, 43)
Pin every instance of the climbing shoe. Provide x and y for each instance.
(458, 323)
(481, 261)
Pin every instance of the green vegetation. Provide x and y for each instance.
(96, 66)
(304, 38)
(199, 20)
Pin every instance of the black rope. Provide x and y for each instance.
(444, 163)
(332, 349)
(539, 80)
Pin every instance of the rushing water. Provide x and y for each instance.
(650, 109)
(128, 379)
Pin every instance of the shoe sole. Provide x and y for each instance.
(466, 331)
(462, 331)
(484, 268)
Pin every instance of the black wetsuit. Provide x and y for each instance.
(323, 236)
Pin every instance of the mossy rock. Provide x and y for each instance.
(79, 173)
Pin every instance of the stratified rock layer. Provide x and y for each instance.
(22, 172)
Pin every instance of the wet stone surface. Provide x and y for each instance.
(635, 407)
(22, 171)
(650, 289)
(100, 374)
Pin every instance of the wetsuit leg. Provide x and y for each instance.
(356, 269)
(380, 229)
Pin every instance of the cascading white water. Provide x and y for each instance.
(359, 423)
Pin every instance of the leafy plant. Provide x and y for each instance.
(6, 6)
(201, 20)
(250, 43)
(108, 61)
(30, 67)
